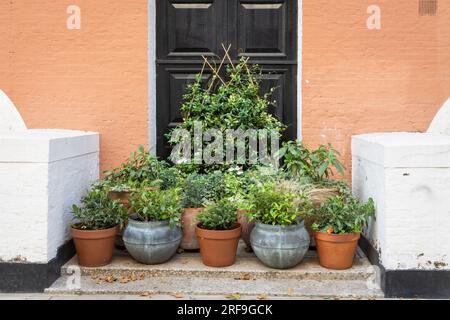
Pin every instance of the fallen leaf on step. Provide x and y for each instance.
(246, 276)
(177, 295)
(124, 280)
(110, 279)
(142, 276)
(234, 296)
(263, 297)
(290, 291)
(146, 294)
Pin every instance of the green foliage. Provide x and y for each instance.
(221, 215)
(342, 214)
(139, 171)
(316, 165)
(201, 188)
(158, 205)
(98, 212)
(238, 183)
(277, 204)
(235, 103)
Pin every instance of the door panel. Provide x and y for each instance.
(264, 30)
(190, 29)
(172, 83)
(282, 78)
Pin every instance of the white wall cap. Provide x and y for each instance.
(10, 118)
(403, 149)
(46, 145)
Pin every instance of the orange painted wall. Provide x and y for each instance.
(89, 79)
(357, 80)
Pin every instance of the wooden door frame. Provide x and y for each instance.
(152, 133)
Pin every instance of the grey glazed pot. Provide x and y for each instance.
(151, 242)
(280, 247)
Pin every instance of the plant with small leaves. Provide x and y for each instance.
(201, 188)
(231, 102)
(316, 165)
(220, 215)
(98, 211)
(342, 214)
(141, 170)
(275, 204)
(158, 205)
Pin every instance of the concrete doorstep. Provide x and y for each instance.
(185, 277)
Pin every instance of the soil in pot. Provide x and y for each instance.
(336, 251)
(218, 247)
(280, 247)
(94, 248)
(189, 223)
(151, 242)
(247, 228)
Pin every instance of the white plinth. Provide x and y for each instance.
(408, 176)
(42, 173)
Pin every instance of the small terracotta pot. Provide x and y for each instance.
(218, 247)
(94, 248)
(336, 251)
(247, 228)
(189, 223)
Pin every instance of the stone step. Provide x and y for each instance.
(182, 286)
(247, 265)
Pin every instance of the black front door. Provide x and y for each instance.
(264, 30)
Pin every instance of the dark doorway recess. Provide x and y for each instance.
(264, 30)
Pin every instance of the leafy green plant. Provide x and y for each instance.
(98, 212)
(275, 204)
(140, 170)
(219, 215)
(342, 214)
(158, 205)
(201, 188)
(317, 164)
(229, 102)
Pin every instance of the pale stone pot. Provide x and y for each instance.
(151, 242)
(280, 247)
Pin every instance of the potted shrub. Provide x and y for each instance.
(314, 168)
(197, 189)
(97, 224)
(338, 225)
(218, 232)
(237, 185)
(140, 171)
(279, 238)
(153, 233)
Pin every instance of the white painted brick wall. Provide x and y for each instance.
(408, 175)
(42, 173)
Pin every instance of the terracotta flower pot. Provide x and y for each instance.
(94, 248)
(218, 247)
(336, 251)
(247, 228)
(189, 223)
